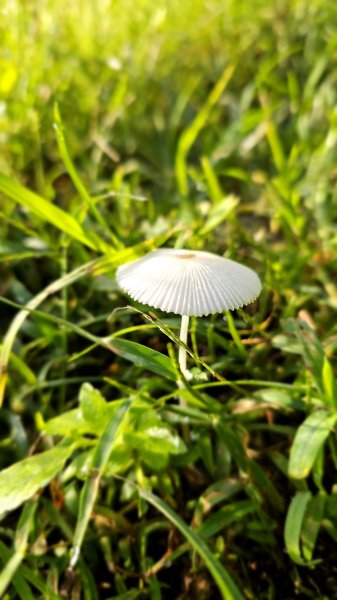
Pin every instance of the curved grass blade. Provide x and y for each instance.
(293, 526)
(45, 210)
(308, 441)
(59, 128)
(140, 355)
(24, 574)
(312, 523)
(19, 319)
(91, 486)
(18, 581)
(21, 539)
(225, 583)
(191, 133)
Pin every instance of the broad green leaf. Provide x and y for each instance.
(99, 462)
(166, 438)
(309, 439)
(154, 457)
(45, 210)
(23, 479)
(120, 459)
(96, 411)
(293, 525)
(67, 424)
(155, 445)
(144, 357)
(225, 583)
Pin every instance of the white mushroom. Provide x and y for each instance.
(188, 283)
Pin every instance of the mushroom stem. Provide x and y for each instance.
(182, 357)
(183, 336)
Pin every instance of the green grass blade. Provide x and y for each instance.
(225, 583)
(329, 383)
(20, 318)
(145, 357)
(24, 574)
(18, 581)
(138, 354)
(224, 517)
(308, 441)
(59, 128)
(312, 523)
(190, 134)
(45, 210)
(293, 525)
(220, 212)
(213, 184)
(91, 486)
(21, 539)
(235, 335)
(272, 134)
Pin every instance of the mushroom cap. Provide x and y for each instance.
(189, 282)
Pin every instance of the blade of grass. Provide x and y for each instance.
(312, 523)
(62, 144)
(21, 542)
(95, 267)
(293, 525)
(45, 210)
(18, 321)
(234, 333)
(24, 574)
(225, 583)
(90, 490)
(18, 581)
(190, 134)
(136, 353)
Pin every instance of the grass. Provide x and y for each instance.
(126, 127)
